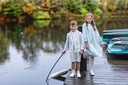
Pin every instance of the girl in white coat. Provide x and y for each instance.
(92, 39)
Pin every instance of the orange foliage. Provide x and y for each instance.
(30, 31)
(28, 8)
(21, 19)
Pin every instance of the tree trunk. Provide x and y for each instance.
(104, 6)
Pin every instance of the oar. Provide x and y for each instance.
(57, 74)
(53, 66)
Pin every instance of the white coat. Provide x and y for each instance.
(93, 38)
(74, 44)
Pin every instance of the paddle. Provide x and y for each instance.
(53, 66)
(59, 73)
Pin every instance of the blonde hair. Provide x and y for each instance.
(73, 22)
(92, 23)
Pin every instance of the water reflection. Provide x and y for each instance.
(117, 59)
(4, 45)
(109, 24)
(39, 24)
(45, 35)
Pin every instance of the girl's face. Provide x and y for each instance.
(89, 19)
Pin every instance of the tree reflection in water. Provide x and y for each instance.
(46, 36)
(4, 45)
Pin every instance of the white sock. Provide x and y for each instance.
(73, 71)
(78, 71)
(91, 63)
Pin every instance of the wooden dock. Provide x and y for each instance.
(108, 71)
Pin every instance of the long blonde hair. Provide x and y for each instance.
(92, 23)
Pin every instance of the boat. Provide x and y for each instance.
(117, 30)
(119, 39)
(118, 46)
(106, 37)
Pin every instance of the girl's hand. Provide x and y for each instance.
(101, 44)
(63, 52)
(81, 52)
(87, 46)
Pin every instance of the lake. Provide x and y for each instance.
(29, 50)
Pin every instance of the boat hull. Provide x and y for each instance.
(108, 36)
(118, 46)
(117, 30)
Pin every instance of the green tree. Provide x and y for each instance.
(73, 5)
(91, 5)
(112, 5)
(13, 9)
